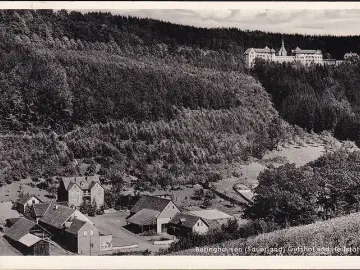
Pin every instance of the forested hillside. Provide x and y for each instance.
(140, 108)
(164, 102)
(317, 97)
(128, 31)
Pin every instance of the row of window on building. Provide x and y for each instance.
(305, 57)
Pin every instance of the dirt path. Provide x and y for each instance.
(112, 224)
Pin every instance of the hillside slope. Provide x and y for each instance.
(159, 121)
(333, 237)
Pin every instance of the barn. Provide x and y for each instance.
(25, 236)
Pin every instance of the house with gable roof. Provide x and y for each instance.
(75, 190)
(55, 218)
(71, 228)
(25, 201)
(83, 238)
(182, 224)
(264, 53)
(152, 213)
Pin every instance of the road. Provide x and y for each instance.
(112, 223)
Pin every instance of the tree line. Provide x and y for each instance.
(316, 97)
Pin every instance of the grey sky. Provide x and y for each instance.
(306, 21)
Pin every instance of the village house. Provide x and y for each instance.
(27, 200)
(84, 238)
(71, 228)
(152, 213)
(28, 237)
(183, 224)
(76, 190)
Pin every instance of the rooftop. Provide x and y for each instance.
(150, 202)
(211, 214)
(185, 220)
(144, 217)
(75, 226)
(261, 50)
(29, 239)
(56, 215)
(84, 182)
(23, 199)
(20, 229)
(40, 208)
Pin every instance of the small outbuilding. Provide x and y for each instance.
(24, 236)
(25, 201)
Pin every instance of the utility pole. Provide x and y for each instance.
(90, 241)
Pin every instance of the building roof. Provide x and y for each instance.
(63, 203)
(298, 50)
(282, 51)
(150, 202)
(29, 239)
(260, 50)
(56, 215)
(247, 194)
(40, 209)
(19, 229)
(12, 221)
(211, 214)
(25, 198)
(144, 217)
(75, 226)
(186, 220)
(84, 182)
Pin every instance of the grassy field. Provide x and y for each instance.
(334, 237)
(10, 192)
(300, 151)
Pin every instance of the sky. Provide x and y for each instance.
(305, 21)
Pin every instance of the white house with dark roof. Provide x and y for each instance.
(264, 53)
(182, 224)
(152, 213)
(75, 190)
(25, 201)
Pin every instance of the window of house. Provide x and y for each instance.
(99, 191)
(85, 233)
(91, 232)
(92, 245)
(198, 223)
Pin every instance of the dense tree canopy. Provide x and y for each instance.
(290, 195)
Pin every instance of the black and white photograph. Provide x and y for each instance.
(179, 131)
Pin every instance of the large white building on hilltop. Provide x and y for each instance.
(305, 57)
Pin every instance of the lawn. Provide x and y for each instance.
(6, 212)
(299, 153)
(10, 192)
